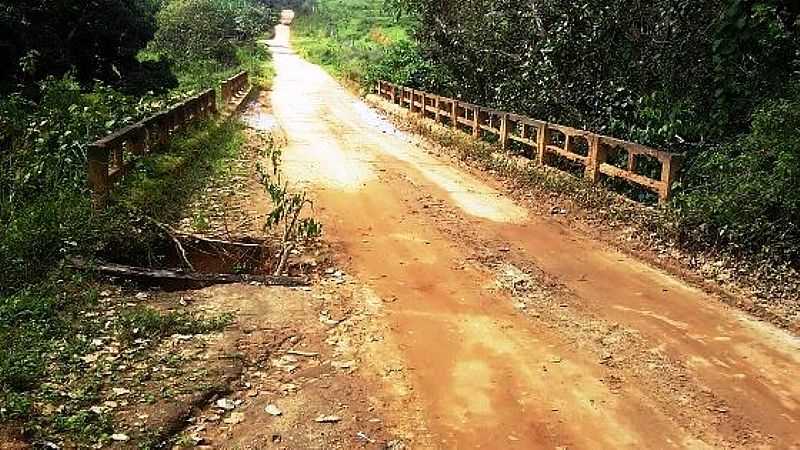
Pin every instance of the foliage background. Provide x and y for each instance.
(361, 41)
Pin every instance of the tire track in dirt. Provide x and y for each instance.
(485, 375)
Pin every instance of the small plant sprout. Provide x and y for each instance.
(287, 207)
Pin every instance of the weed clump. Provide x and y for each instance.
(148, 323)
(287, 208)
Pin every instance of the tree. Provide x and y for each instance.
(663, 71)
(96, 39)
(189, 30)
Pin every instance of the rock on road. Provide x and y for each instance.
(618, 355)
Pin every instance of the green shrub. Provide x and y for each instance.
(41, 233)
(96, 40)
(208, 30)
(45, 141)
(402, 62)
(747, 193)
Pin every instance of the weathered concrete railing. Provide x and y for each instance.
(544, 139)
(234, 85)
(110, 157)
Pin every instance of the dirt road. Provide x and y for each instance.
(513, 330)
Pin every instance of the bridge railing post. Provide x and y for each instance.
(138, 140)
(99, 181)
(543, 137)
(669, 172)
(598, 153)
(504, 131)
(476, 122)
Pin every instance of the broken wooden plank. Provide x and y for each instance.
(251, 243)
(256, 243)
(301, 353)
(124, 271)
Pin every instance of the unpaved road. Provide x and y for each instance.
(583, 348)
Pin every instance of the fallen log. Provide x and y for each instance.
(124, 271)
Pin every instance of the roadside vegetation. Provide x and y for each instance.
(715, 80)
(69, 76)
(360, 42)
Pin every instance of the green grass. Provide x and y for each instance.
(44, 332)
(257, 60)
(148, 323)
(162, 184)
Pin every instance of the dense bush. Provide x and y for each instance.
(402, 63)
(40, 38)
(747, 193)
(189, 30)
(46, 139)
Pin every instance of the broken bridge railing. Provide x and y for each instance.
(595, 152)
(111, 157)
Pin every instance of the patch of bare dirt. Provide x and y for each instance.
(302, 384)
(312, 364)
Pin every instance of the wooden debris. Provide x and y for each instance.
(179, 275)
(225, 243)
(172, 235)
(250, 243)
(299, 353)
